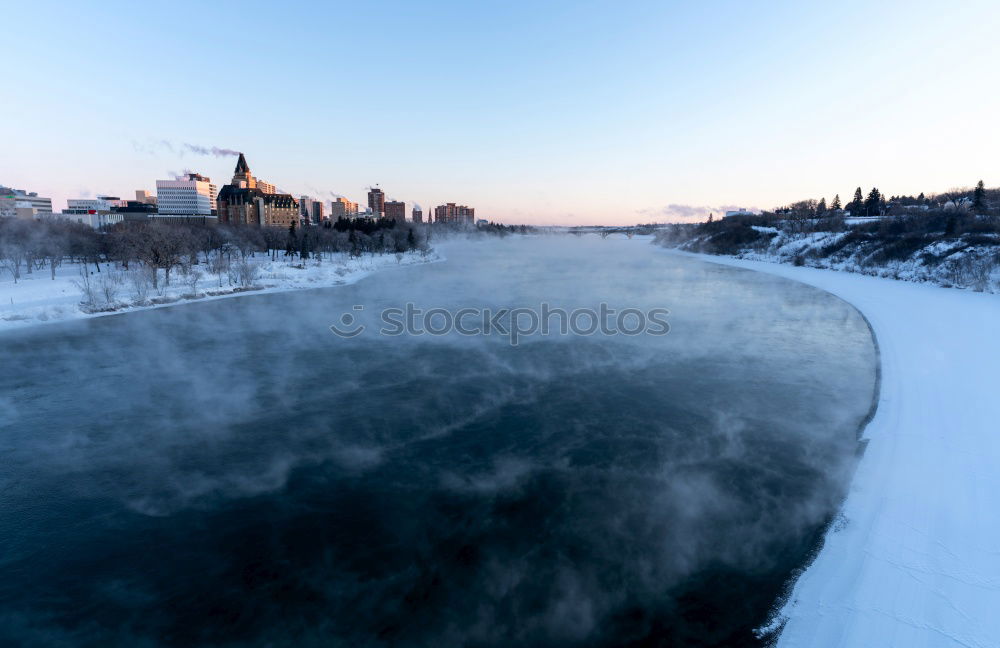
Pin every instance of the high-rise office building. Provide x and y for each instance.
(418, 215)
(191, 194)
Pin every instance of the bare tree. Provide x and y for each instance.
(31, 243)
(191, 280)
(124, 244)
(274, 240)
(54, 246)
(13, 244)
(218, 262)
(162, 246)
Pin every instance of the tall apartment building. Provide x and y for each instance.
(343, 208)
(243, 202)
(418, 215)
(396, 210)
(192, 194)
(376, 202)
(311, 210)
(452, 213)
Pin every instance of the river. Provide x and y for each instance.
(232, 473)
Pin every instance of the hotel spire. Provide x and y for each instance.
(241, 165)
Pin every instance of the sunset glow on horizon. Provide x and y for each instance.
(556, 113)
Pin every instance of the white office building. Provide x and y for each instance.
(101, 203)
(93, 218)
(193, 194)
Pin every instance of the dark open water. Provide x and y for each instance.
(231, 474)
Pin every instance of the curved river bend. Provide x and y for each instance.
(230, 473)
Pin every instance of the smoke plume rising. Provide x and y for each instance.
(210, 150)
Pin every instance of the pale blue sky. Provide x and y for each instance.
(543, 112)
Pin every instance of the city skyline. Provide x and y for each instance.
(563, 114)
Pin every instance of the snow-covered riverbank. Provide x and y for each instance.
(37, 298)
(915, 558)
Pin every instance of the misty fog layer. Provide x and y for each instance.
(231, 473)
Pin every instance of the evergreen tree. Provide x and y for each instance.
(290, 243)
(873, 203)
(304, 247)
(411, 240)
(711, 217)
(836, 202)
(921, 200)
(857, 203)
(979, 199)
(821, 207)
(352, 239)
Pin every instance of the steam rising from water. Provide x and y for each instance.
(301, 489)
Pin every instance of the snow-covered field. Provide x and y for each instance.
(914, 559)
(36, 298)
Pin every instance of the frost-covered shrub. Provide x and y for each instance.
(110, 284)
(897, 249)
(732, 239)
(87, 288)
(970, 270)
(140, 279)
(100, 291)
(244, 272)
